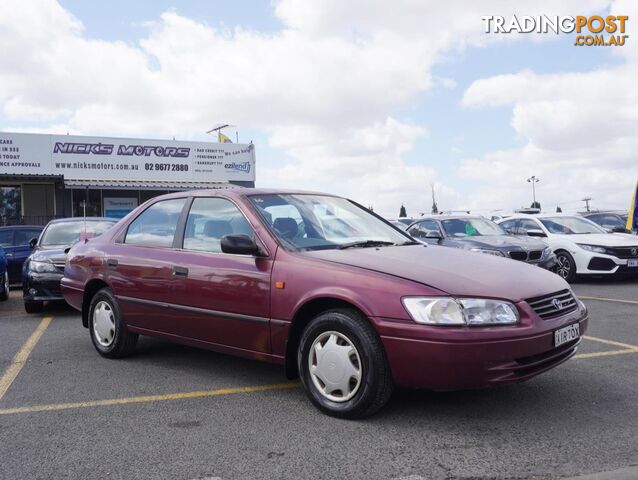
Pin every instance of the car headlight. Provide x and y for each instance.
(592, 248)
(460, 311)
(489, 251)
(42, 267)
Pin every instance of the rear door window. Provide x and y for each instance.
(156, 226)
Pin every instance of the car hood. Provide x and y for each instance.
(454, 271)
(603, 239)
(500, 241)
(55, 255)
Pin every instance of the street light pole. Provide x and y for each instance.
(533, 180)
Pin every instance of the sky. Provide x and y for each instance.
(379, 101)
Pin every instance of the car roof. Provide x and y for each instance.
(88, 219)
(449, 217)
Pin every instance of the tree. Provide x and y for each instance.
(435, 207)
(536, 205)
(559, 210)
(402, 212)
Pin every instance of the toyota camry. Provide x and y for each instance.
(324, 287)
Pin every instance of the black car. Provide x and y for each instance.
(610, 221)
(44, 268)
(479, 234)
(15, 242)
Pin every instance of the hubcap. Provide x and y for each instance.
(564, 266)
(103, 324)
(335, 366)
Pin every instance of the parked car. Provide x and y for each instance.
(15, 241)
(44, 268)
(581, 246)
(400, 225)
(353, 311)
(479, 234)
(4, 277)
(612, 222)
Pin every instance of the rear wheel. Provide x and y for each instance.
(566, 267)
(34, 307)
(108, 331)
(343, 366)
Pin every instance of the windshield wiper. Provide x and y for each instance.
(365, 243)
(409, 242)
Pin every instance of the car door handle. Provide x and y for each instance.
(180, 271)
(111, 263)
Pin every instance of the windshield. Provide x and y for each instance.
(471, 227)
(68, 233)
(315, 222)
(570, 225)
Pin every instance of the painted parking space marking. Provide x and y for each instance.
(626, 348)
(148, 398)
(22, 356)
(605, 299)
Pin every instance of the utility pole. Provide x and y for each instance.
(587, 200)
(533, 180)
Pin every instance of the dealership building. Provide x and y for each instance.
(54, 176)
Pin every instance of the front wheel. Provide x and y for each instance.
(33, 307)
(4, 291)
(566, 267)
(108, 331)
(343, 366)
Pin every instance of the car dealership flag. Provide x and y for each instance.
(223, 138)
(632, 218)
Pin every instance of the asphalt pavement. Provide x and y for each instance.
(175, 412)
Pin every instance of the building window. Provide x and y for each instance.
(93, 205)
(10, 203)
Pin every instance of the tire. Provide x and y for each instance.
(107, 328)
(360, 397)
(4, 294)
(566, 267)
(34, 307)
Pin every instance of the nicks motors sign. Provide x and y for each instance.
(106, 158)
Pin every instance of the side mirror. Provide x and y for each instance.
(619, 230)
(533, 232)
(33, 242)
(239, 244)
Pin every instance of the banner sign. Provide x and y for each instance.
(115, 207)
(106, 158)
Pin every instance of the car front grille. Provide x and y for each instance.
(535, 255)
(532, 256)
(623, 252)
(554, 304)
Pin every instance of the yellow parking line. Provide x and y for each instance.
(604, 354)
(611, 342)
(604, 299)
(21, 357)
(147, 398)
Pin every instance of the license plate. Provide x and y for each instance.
(566, 334)
(632, 263)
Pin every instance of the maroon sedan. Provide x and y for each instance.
(325, 288)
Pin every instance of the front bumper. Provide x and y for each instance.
(37, 287)
(592, 263)
(457, 358)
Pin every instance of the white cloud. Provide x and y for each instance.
(580, 130)
(325, 87)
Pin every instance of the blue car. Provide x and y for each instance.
(4, 277)
(16, 241)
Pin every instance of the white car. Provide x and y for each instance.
(581, 246)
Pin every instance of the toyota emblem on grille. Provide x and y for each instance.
(557, 304)
(634, 252)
